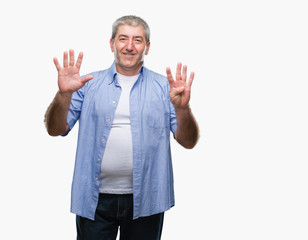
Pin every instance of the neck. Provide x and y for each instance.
(128, 71)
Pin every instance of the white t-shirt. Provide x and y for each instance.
(117, 163)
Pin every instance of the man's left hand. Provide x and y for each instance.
(180, 88)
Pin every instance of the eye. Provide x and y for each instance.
(122, 39)
(138, 40)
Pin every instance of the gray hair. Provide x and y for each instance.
(132, 21)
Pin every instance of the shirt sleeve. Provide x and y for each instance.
(173, 121)
(74, 109)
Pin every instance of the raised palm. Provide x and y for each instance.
(69, 79)
(180, 88)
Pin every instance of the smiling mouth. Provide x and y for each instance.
(128, 54)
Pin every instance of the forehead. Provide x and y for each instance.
(128, 30)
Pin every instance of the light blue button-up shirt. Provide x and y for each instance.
(152, 117)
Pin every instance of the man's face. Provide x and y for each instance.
(129, 48)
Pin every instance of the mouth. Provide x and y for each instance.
(128, 54)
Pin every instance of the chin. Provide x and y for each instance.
(128, 63)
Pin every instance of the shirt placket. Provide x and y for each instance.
(112, 101)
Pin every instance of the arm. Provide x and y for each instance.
(69, 81)
(187, 133)
(56, 114)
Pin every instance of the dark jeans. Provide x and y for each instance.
(114, 211)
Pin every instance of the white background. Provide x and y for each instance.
(246, 179)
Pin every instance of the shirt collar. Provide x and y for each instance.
(113, 71)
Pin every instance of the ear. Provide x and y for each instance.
(111, 45)
(148, 48)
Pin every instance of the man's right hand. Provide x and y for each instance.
(69, 79)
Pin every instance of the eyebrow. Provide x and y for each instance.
(123, 35)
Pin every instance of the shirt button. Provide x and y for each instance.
(98, 159)
(103, 140)
(96, 178)
(108, 119)
(113, 102)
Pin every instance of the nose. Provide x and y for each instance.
(130, 45)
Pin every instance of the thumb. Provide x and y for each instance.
(178, 90)
(87, 78)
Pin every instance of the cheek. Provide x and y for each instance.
(118, 47)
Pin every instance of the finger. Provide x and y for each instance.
(178, 72)
(87, 78)
(57, 64)
(184, 74)
(79, 60)
(72, 57)
(191, 79)
(169, 75)
(65, 59)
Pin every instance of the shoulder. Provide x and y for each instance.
(98, 77)
(156, 83)
(155, 77)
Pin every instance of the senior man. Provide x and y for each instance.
(123, 176)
